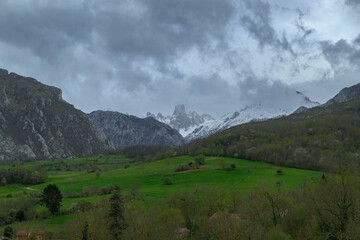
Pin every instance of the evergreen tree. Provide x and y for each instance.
(51, 198)
(116, 214)
(20, 216)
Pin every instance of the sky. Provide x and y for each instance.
(213, 56)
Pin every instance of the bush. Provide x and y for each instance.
(200, 159)
(168, 181)
(277, 234)
(231, 167)
(182, 168)
(8, 232)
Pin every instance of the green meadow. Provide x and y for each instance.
(72, 176)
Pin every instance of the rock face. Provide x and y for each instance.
(345, 95)
(36, 123)
(272, 108)
(183, 122)
(194, 126)
(123, 130)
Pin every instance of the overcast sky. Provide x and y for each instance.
(214, 56)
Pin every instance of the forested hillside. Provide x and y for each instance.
(318, 139)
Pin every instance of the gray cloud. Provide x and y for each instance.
(341, 53)
(353, 2)
(357, 41)
(148, 55)
(256, 18)
(164, 27)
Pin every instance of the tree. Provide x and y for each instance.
(8, 232)
(223, 163)
(116, 214)
(51, 198)
(20, 216)
(98, 173)
(200, 160)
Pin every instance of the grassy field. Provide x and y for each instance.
(150, 177)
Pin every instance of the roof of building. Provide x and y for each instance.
(23, 232)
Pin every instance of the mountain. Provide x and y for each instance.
(320, 138)
(193, 126)
(257, 112)
(36, 123)
(123, 130)
(344, 95)
(183, 122)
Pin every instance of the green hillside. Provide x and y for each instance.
(84, 180)
(318, 139)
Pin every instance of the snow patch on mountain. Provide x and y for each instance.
(194, 126)
(182, 121)
(258, 112)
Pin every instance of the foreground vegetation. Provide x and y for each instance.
(146, 185)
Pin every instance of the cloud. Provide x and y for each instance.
(256, 19)
(341, 54)
(353, 2)
(149, 55)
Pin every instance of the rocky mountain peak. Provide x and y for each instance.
(182, 121)
(345, 95)
(126, 130)
(179, 110)
(36, 123)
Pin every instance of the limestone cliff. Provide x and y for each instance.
(36, 123)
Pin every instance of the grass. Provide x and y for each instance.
(149, 178)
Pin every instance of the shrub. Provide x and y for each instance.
(168, 181)
(182, 168)
(277, 234)
(200, 159)
(8, 232)
(231, 167)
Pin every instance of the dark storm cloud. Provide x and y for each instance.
(139, 55)
(157, 28)
(163, 27)
(45, 29)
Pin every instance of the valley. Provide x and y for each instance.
(140, 180)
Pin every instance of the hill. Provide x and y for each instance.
(36, 123)
(123, 130)
(315, 139)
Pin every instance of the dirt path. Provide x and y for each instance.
(31, 189)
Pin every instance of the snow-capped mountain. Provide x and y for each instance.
(183, 122)
(193, 126)
(271, 108)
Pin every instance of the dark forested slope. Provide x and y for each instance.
(318, 138)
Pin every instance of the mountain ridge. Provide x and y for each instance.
(36, 123)
(124, 130)
(191, 130)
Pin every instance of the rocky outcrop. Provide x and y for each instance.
(345, 95)
(36, 123)
(183, 122)
(123, 130)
